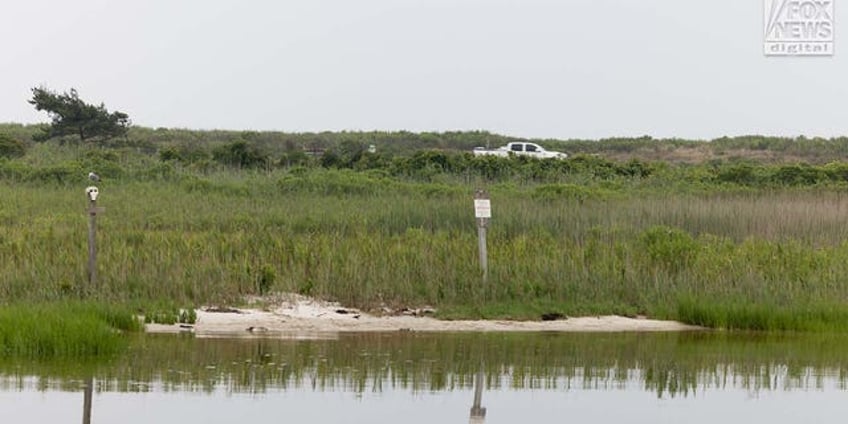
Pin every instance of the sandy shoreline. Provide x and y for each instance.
(295, 316)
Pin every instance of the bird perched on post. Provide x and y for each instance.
(93, 177)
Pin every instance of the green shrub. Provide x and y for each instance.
(10, 147)
(795, 175)
(562, 192)
(742, 174)
(60, 174)
(240, 154)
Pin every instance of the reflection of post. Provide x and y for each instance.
(478, 413)
(483, 212)
(86, 401)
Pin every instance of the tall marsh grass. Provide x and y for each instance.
(628, 243)
(63, 330)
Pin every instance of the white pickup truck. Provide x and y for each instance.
(522, 149)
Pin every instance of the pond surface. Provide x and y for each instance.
(431, 378)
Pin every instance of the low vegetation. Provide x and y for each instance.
(63, 330)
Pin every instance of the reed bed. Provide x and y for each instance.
(367, 239)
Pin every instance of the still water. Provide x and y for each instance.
(431, 378)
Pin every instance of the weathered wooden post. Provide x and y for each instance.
(478, 413)
(91, 193)
(483, 212)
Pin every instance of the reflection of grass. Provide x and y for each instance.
(63, 330)
(669, 364)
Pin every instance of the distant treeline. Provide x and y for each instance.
(259, 148)
(581, 176)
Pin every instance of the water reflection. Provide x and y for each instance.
(669, 365)
(478, 412)
(86, 403)
(434, 378)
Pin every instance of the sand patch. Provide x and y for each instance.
(294, 316)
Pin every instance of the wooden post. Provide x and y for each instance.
(483, 212)
(478, 413)
(88, 390)
(92, 245)
(91, 193)
(484, 254)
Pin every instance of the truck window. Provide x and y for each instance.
(516, 147)
(531, 147)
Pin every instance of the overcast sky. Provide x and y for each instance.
(534, 68)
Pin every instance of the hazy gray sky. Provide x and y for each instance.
(535, 68)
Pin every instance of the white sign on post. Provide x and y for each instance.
(482, 208)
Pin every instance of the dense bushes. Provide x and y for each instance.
(403, 143)
(240, 154)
